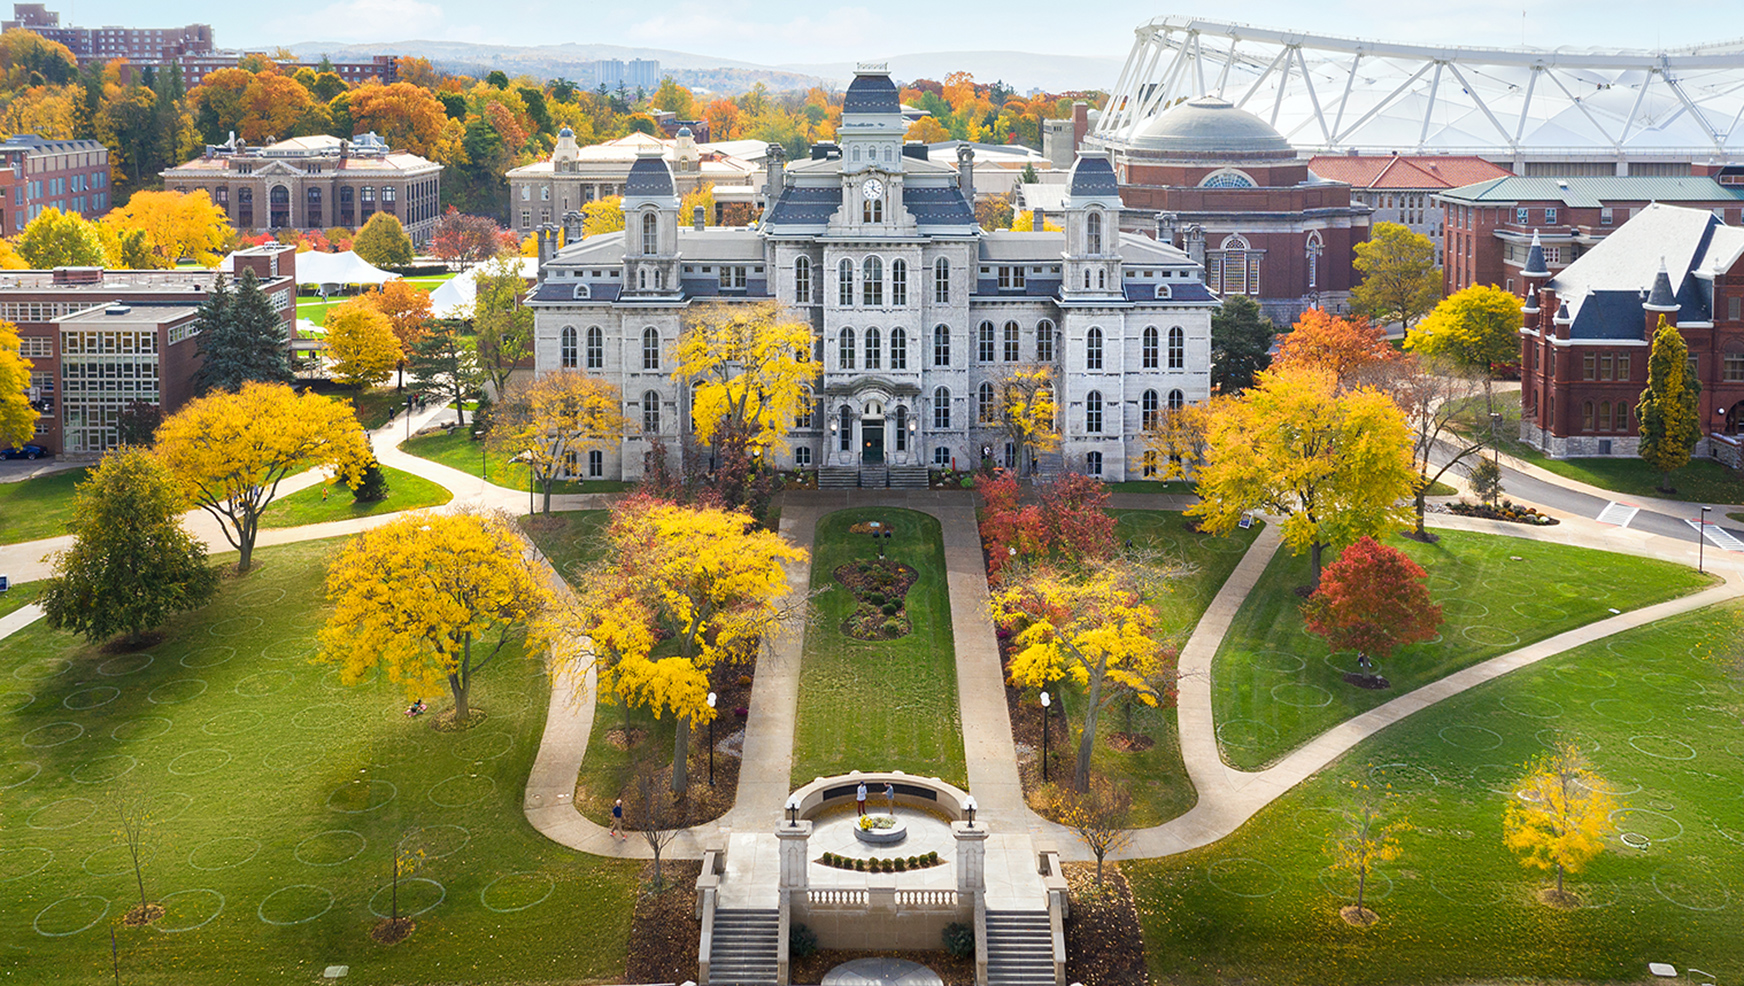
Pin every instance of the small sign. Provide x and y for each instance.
(1245, 522)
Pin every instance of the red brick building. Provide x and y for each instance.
(1233, 190)
(1588, 331)
(38, 174)
(1401, 188)
(1488, 227)
(89, 363)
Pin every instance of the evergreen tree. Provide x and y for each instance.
(442, 362)
(241, 338)
(1667, 412)
(372, 483)
(132, 564)
(1241, 340)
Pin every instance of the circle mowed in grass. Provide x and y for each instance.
(17, 773)
(197, 762)
(483, 746)
(208, 657)
(42, 669)
(440, 841)
(236, 626)
(177, 691)
(462, 790)
(1692, 886)
(1246, 734)
(1302, 695)
(1243, 877)
(18, 862)
(1468, 737)
(331, 848)
(418, 895)
(360, 796)
(1663, 747)
(514, 892)
(187, 910)
(1626, 711)
(52, 734)
(1490, 636)
(320, 717)
(104, 769)
(62, 814)
(289, 649)
(1673, 684)
(298, 903)
(263, 683)
(86, 699)
(1657, 826)
(1584, 677)
(70, 915)
(141, 728)
(11, 702)
(1533, 707)
(125, 664)
(233, 723)
(1277, 662)
(1403, 777)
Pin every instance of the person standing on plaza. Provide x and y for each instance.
(860, 798)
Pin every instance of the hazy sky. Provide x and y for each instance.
(798, 31)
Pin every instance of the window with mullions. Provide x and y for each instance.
(845, 350)
(898, 282)
(845, 284)
(872, 282)
(1044, 341)
(1148, 410)
(984, 405)
(984, 342)
(1177, 348)
(651, 413)
(567, 350)
(941, 408)
(1093, 412)
(596, 348)
(898, 349)
(1012, 344)
(1093, 349)
(802, 280)
(1177, 400)
(874, 350)
(941, 281)
(1150, 347)
(650, 348)
(941, 345)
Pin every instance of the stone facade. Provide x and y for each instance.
(917, 314)
(544, 191)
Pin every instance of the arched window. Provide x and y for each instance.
(1605, 414)
(872, 282)
(984, 404)
(802, 280)
(941, 345)
(941, 408)
(806, 416)
(1012, 349)
(650, 233)
(1093, 412)
(1044, 341)
(1101, 280)
(642, 278)
(1588, 419)
(845, 423)
(566, 350)
(1093, 349)
(845, 284)
(1177, 348)
(596, 348)
(901, 428)
(898, 283)
(650, 348)
(1147, 406)
(651, 412)
(874, 350)
(1093, 233)
(898, 349)
(1177, 400)
(872, 210)
(1086, 280)
(941, 281)
(845, 350)
(1093, 463)
(984, 342)
(1150, 347)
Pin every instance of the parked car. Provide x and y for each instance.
(27, 451)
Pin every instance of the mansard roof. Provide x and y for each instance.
(649, 176)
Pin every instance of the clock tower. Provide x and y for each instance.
(871, 136)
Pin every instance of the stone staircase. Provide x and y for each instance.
(908, 477)
(743, 949)
(838, 478)
(874, 477)
(1020, 949)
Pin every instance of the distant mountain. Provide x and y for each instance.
(1021, 70)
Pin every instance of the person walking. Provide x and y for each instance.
(860, 798)
(618, 819)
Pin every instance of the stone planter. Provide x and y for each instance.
(882, 836)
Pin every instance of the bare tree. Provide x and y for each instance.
(1098, 815)
(1433, 395)
(658, 818)
(137, 828)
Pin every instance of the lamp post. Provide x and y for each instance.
(1702, 542)
(408, 415)
(969, 809)
(793, 811)
(711, 705)
(1047, 700)
(1496, 440)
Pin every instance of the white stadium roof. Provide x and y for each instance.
(1335, 95)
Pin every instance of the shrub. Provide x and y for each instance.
(801, 941)
(888, 609)
(860, 864)
(893, 627)
(829, 859)
(933, 858)
(901, 866)
(875, 598)
(959, 939)
(914, 862)
(372, 485)
(890, 866)
(744, 681)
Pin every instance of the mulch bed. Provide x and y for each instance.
(664, 931)
(1130, 742)
(1373, 682)
(387, 931)
(889, 581)
(954, 972)
(1104, 943)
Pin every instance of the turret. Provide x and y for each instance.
(650, 225)
(1661, 301)
(1092, 221)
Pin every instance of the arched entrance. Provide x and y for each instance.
(872, 433)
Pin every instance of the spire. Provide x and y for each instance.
(1662, 298)
(1535, 259)
(1562, 315)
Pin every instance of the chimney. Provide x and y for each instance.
(572, 227)
(547, 235)
(774, 165)
(1038, 220)
(1080, 124)
(966, 171)
(1196, 243)
(698, 218)
(1166, 227)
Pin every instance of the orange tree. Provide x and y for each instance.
(1372, 600)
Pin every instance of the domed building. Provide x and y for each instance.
(1234, 193)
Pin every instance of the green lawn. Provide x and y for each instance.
(1702, 481)
(879, 705)
(1156, 778)
(280, 793)
(1275, 686)
(33, 509)
(459, 451)
(308, 506)
(1659, 711)
(1150, 486)
(567, 538)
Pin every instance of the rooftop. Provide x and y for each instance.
(1405, 171)
(1590, 193)
(1210, 125)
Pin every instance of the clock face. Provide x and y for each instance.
(873, 188)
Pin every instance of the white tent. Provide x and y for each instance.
(454, 297)
(315, 267)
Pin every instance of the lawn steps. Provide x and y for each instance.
(1020, 949)
(742, 950)
(872, 477)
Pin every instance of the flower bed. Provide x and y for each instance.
(1508, 510)
(875, 865)
(880, 588)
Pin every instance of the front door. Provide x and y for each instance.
(872, 441)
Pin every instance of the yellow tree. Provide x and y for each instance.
(17, 417)
(747, 367)
(603, 216)
(1092, 626)
(1028, 411)
(704, 197)
(711, 577)
(60, 239)
(1559, 816)
(415, 595)
(230, 450)
(1401, 281)
(1365, 839)
(1335, 463)
(555, 420)
(175, 224)
(1175, 441)
(1476, 330)
(361, 343)
(1023, 221)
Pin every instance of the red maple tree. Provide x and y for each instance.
(1372, 600)
(1071, 522)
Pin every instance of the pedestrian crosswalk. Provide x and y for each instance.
(1617, 513)
(1718, 536)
